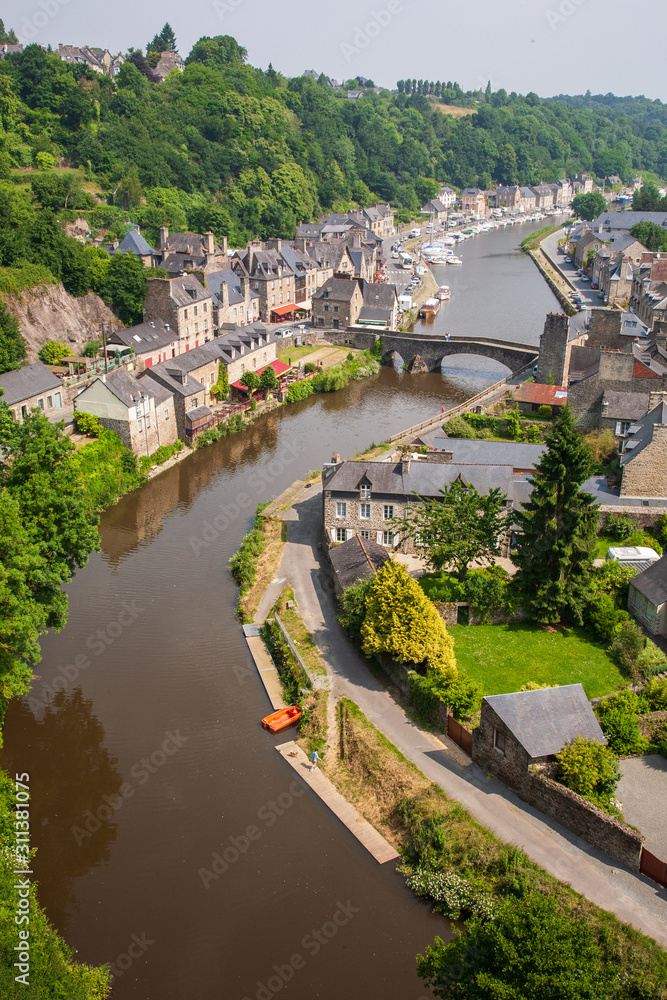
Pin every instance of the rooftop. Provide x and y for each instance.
(543, 721)
(28, 381)
(652, 583)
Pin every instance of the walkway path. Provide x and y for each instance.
(633, 898)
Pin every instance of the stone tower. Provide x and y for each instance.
(554, 361)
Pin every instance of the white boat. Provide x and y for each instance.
(443, 293)
(454, 260)
(441, 259)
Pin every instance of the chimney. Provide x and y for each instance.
(356, 241)
(210, 244)
(274, 244)
(335, 458)
(164, 236)
(405, 466)
(223, 244)
(300, 243)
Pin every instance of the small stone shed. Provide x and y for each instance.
(356, 560)
(647, 597)
(529, 727)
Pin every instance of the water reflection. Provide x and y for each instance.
(72, 775)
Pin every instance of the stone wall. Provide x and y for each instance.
(604, 330)
(554, 359)
(645, 475)
(515, 768)
(645, 517)
(585, 397)
(48, 312)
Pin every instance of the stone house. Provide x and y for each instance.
(379, 219)
(608, 220)
(307, 273)
(334, 260)
(620, 410)
(544, 195)
(234, 301)
(528, 199)
(519, 730)
(447, 197)
(562, 192)
(529, 396)
(648, 293)
(99, 60)
(190, 252)
(31, 387)
(337, 304)
(473, 200)
(436, 208)
(270, 276)
(371, 498)
(136, 243)
(586, 181)
(355, 560)
(168, 62)
(246, 350)
(185, 305)
(508, 196)
(142, 414)
(201, 364)
(188, 394)
(644, 456)
(380, 306)
(647, 597)
(149, 343)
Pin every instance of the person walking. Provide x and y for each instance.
(314, 757)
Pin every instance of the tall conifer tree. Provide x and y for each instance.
(558, 526)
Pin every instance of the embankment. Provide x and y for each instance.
(48, 312)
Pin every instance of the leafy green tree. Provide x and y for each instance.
(250, 380)
(533, 949)
(589, 768)
(221, 387)
(648, 199)
(652, 236)
(218, 53)
(12, 344)
(556, 530)
(53, 351)
(588, 206)
(57, 191)
(164, 42)
(459, 527)
(128, 193)
(401, 621)
(268, 379)
(7, 37)
(352, 607)
(125, 287)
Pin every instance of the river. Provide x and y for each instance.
(142, 739)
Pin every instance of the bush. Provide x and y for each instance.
(605, 617)
(459, 428)
(463, 697)
(243, 564)
(660, 530)
(451, 894)
(352, 608)
(87, 423)
(619, 526)
(91, 348)
(161, 455)
(331, 380)
(619, 722)
(309, 367)
(613, 578)
(53, 352)
(655, 695)
(298, 391)
(590, 769)
(441, 587)
(603, 447)
(627, 644)
(544, 411)
(642, 538)
(487, 590)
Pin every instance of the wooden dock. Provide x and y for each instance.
(366, 834)
(265, 668)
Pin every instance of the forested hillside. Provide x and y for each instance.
(247, 153)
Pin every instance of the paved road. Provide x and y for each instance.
(643, 793)
(633, 898)
(588, 295)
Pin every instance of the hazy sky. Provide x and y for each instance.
(549, 46)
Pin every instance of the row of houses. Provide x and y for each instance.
(513, 197)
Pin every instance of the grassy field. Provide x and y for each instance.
(602, 544)
(293, 354)
(505, 657)
(533, 241)
(452, 109)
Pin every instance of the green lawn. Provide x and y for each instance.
(505, 657)
(602, 544)
(294, 353)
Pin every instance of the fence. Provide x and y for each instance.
(653, 867)
(455, 410)
(461, 736)
(295, 652)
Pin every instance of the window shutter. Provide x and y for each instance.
(618, 428)
(396, 539)
(350, 532)
(333, 534)
(378, 536)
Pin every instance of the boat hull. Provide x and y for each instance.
(281, 719)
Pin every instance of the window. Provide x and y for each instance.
(58, 403)
(326, 308)
(49, 401)
(335, 309)
(320, 321)
(365, 511)
(185, 314)
(257, 286)
(195, 310)
(335, 324)
(341, 534)
(365, 492)
(140, 424)
(622, 428)
(166, 414)
(387, 538)
(388, 511)
(40, 403)
(196, 328)
(206, 307)
(148, 420)
(499, 741)
(341, 510)
(195, 404)
(365, 535)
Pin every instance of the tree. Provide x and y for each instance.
(533, 948)
(7, 37)
(401, 621)
(652, 236)
(459, 527)
(221, 387)
(589, 768)
(556, 530)
(53, 351)
(589, 206)
(648, 199)
(250, 380)
(128, 193)
(219, 52)
(164, 42)
(12, 344)
(352, 607)
(268, 380)
(125, 287)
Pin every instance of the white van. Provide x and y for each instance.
(415, 232)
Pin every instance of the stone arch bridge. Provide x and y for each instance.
(431, 350)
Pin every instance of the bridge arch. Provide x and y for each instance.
(435, 350)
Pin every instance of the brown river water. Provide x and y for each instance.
(172, 840)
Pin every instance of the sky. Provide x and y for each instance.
(547, 46)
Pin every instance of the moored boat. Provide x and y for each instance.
(454, 260)
(443, 293)
(430, 308)
(282, 718)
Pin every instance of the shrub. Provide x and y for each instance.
(87, 423)
(161, 455)
(54, 351)
(91, 348)
(589, 768)
(544, 411)
(459, 428)
(451, 894)
(621, 727)
(619, 526)
(605, 617)
(298, 390)
(660, 530)
(243, 564)
(655, 695)
(331, 380)
(642, 538)
(487, 590)
(603, 447)
(45, 161)
(441, 587)
(627, 644)
(613, 578)
(352, 607)
(463, 697)
(310, 367)
(651, 660)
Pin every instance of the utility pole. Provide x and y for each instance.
(104, 347)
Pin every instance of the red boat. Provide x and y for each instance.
(281, 719)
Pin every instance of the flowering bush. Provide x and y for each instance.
(453, 895)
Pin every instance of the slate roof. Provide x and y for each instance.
(189, 244)
(424, 479)
(543, 721)
(652, 583)
(159, 374)
(145, 337)
(28, 381)
(626, 220)
(186, 290)
(479, 452)
(123, 386)
(624, 405)
(337, 289)
(135, 242)
(368, 315)
(641, 433)
(198, 413)
(357, 560)
(379, 296)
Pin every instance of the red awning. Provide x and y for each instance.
(285, 310)
(279, 368)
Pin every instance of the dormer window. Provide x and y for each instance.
(365, 493)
